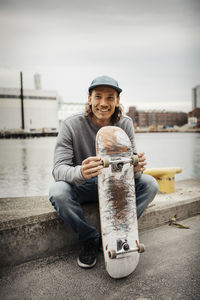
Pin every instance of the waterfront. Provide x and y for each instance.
(26, 165)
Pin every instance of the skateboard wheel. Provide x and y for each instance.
(106, 163)
(141, 248)
(112, 254)
(135, 160)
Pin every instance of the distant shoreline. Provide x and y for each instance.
(196, 130)
(26, 134)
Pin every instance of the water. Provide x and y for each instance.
(26, 165)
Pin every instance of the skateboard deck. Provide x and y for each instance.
(117, 205)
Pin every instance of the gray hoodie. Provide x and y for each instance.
(76, 142)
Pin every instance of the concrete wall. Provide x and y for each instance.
(40, 113)
(10, 114)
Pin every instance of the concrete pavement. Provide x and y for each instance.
(169, 269)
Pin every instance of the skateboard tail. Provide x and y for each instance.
(117, 270)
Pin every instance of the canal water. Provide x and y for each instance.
(26, 165)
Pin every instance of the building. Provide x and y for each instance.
(40, 109)
(196, 97)
(194, 117)
(156, 118)
(67, 109)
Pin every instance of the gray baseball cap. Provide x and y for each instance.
(105, 80)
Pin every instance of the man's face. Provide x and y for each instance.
(103, 100)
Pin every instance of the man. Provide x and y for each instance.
(76, 165)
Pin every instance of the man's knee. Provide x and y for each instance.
(60, 192)
(146, 189)
(152, 184)
(148, 185)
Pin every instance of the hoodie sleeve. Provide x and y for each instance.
(64, 169)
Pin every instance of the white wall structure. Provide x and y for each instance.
(67, 109)
(192, 121)
(40, 109)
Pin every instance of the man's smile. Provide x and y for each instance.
(103, 110)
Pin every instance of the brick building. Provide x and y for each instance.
(156, 118)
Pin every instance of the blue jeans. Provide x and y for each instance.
(67, 200)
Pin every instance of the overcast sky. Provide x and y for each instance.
(152, 47)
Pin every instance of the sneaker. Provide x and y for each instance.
(88, 254)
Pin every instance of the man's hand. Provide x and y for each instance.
(140, 167)
(91, 167)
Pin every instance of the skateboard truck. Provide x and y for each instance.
(133, 160)
(125, 249)
(122, 244)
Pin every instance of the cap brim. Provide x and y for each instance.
(114, 87)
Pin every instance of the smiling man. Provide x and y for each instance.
(76, 165)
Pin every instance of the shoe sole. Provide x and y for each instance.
(82, 265)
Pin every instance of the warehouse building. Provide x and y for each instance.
(39, 109)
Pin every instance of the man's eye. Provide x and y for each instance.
(98, 97)
(110, 98)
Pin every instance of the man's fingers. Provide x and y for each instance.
(140, 166)
(88, 171)
(143, 163)
(141, 159)
(140, 154)
(91, 159)
(91, 167)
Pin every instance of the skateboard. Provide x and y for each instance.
(117, 204)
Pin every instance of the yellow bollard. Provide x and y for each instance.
(165, 178)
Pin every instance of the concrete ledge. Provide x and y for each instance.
(29, 227)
